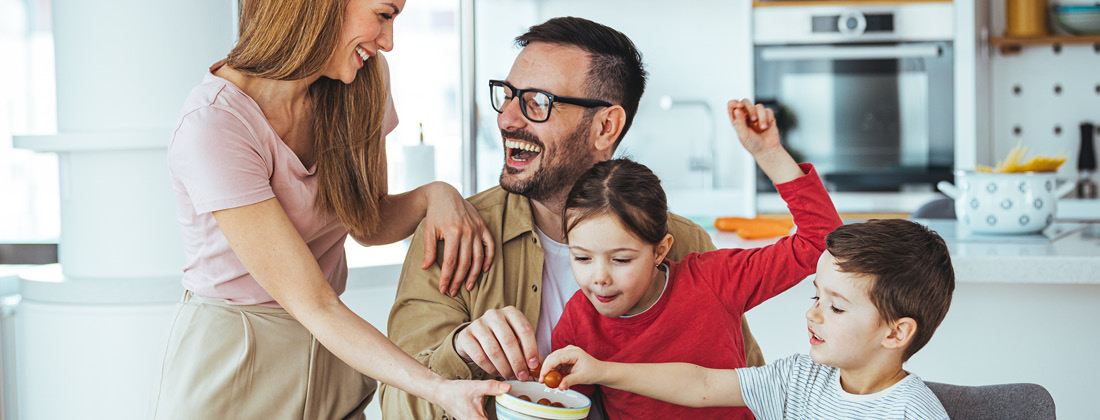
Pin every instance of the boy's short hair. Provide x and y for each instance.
(910, 271)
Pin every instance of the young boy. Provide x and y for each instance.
(882, 289)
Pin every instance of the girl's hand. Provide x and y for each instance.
(755, 126)
(582, 368)
(462, 399)
(468, 247)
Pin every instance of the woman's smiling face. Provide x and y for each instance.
(615, 269)
(367, 29)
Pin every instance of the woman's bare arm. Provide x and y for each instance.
(273, 252)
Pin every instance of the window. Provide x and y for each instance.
(29, 200)
(424, 78)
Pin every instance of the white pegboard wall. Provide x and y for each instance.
(1040, 97)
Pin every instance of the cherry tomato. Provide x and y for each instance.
(557, 404)
(525, 398)
(535, 372)
(544, 401)
(552, 379)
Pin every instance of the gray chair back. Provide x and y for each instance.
(940, 208)
(995, 402)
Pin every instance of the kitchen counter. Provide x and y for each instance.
(907, 202)
(1071, 257)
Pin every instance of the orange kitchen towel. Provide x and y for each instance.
(755, 228)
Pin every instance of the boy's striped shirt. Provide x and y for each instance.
(798, 388)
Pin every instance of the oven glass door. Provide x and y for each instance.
(871, 117)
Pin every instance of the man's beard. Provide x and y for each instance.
(556, 172)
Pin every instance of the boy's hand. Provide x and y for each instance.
(756, 128)
(582, 368)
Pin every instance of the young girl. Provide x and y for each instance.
(636, 307)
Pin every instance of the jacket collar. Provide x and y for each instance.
(518, 218)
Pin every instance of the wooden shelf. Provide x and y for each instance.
(1013, 45)
(782, 3)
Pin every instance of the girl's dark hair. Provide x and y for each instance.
(615, 71)
(625, 189)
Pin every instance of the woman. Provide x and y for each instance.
(277, 157)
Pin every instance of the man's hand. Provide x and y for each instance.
(501, 342)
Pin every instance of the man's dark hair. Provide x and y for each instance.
(616, 73)
(910, 271)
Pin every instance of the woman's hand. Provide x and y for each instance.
(468, 246)
(462, 399)
(582, 368)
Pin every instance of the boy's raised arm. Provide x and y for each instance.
(678, 383)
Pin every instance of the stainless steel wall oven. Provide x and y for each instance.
(866, 93)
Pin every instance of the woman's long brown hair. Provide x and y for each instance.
(293, 39)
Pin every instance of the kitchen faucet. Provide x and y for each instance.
(699, 163)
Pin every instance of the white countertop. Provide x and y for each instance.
(907, 202)
(1072, 258)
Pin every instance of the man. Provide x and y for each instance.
(578, 85)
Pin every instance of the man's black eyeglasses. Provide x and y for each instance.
(535, 104)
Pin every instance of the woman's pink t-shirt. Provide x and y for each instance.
(224, 154)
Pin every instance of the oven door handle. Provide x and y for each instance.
(790, 53)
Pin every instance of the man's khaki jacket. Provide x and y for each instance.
(423, 321)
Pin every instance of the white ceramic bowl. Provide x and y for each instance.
(1005, 203)
(510, 407)
(1078, 19)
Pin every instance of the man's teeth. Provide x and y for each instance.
(362, 53)
(522, 146)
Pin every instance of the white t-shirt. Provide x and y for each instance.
(558, 285)
(798, 388)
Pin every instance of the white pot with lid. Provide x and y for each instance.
(1005, 203)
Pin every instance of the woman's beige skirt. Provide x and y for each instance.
(253, 362)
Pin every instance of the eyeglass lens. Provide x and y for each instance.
(536, 105)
